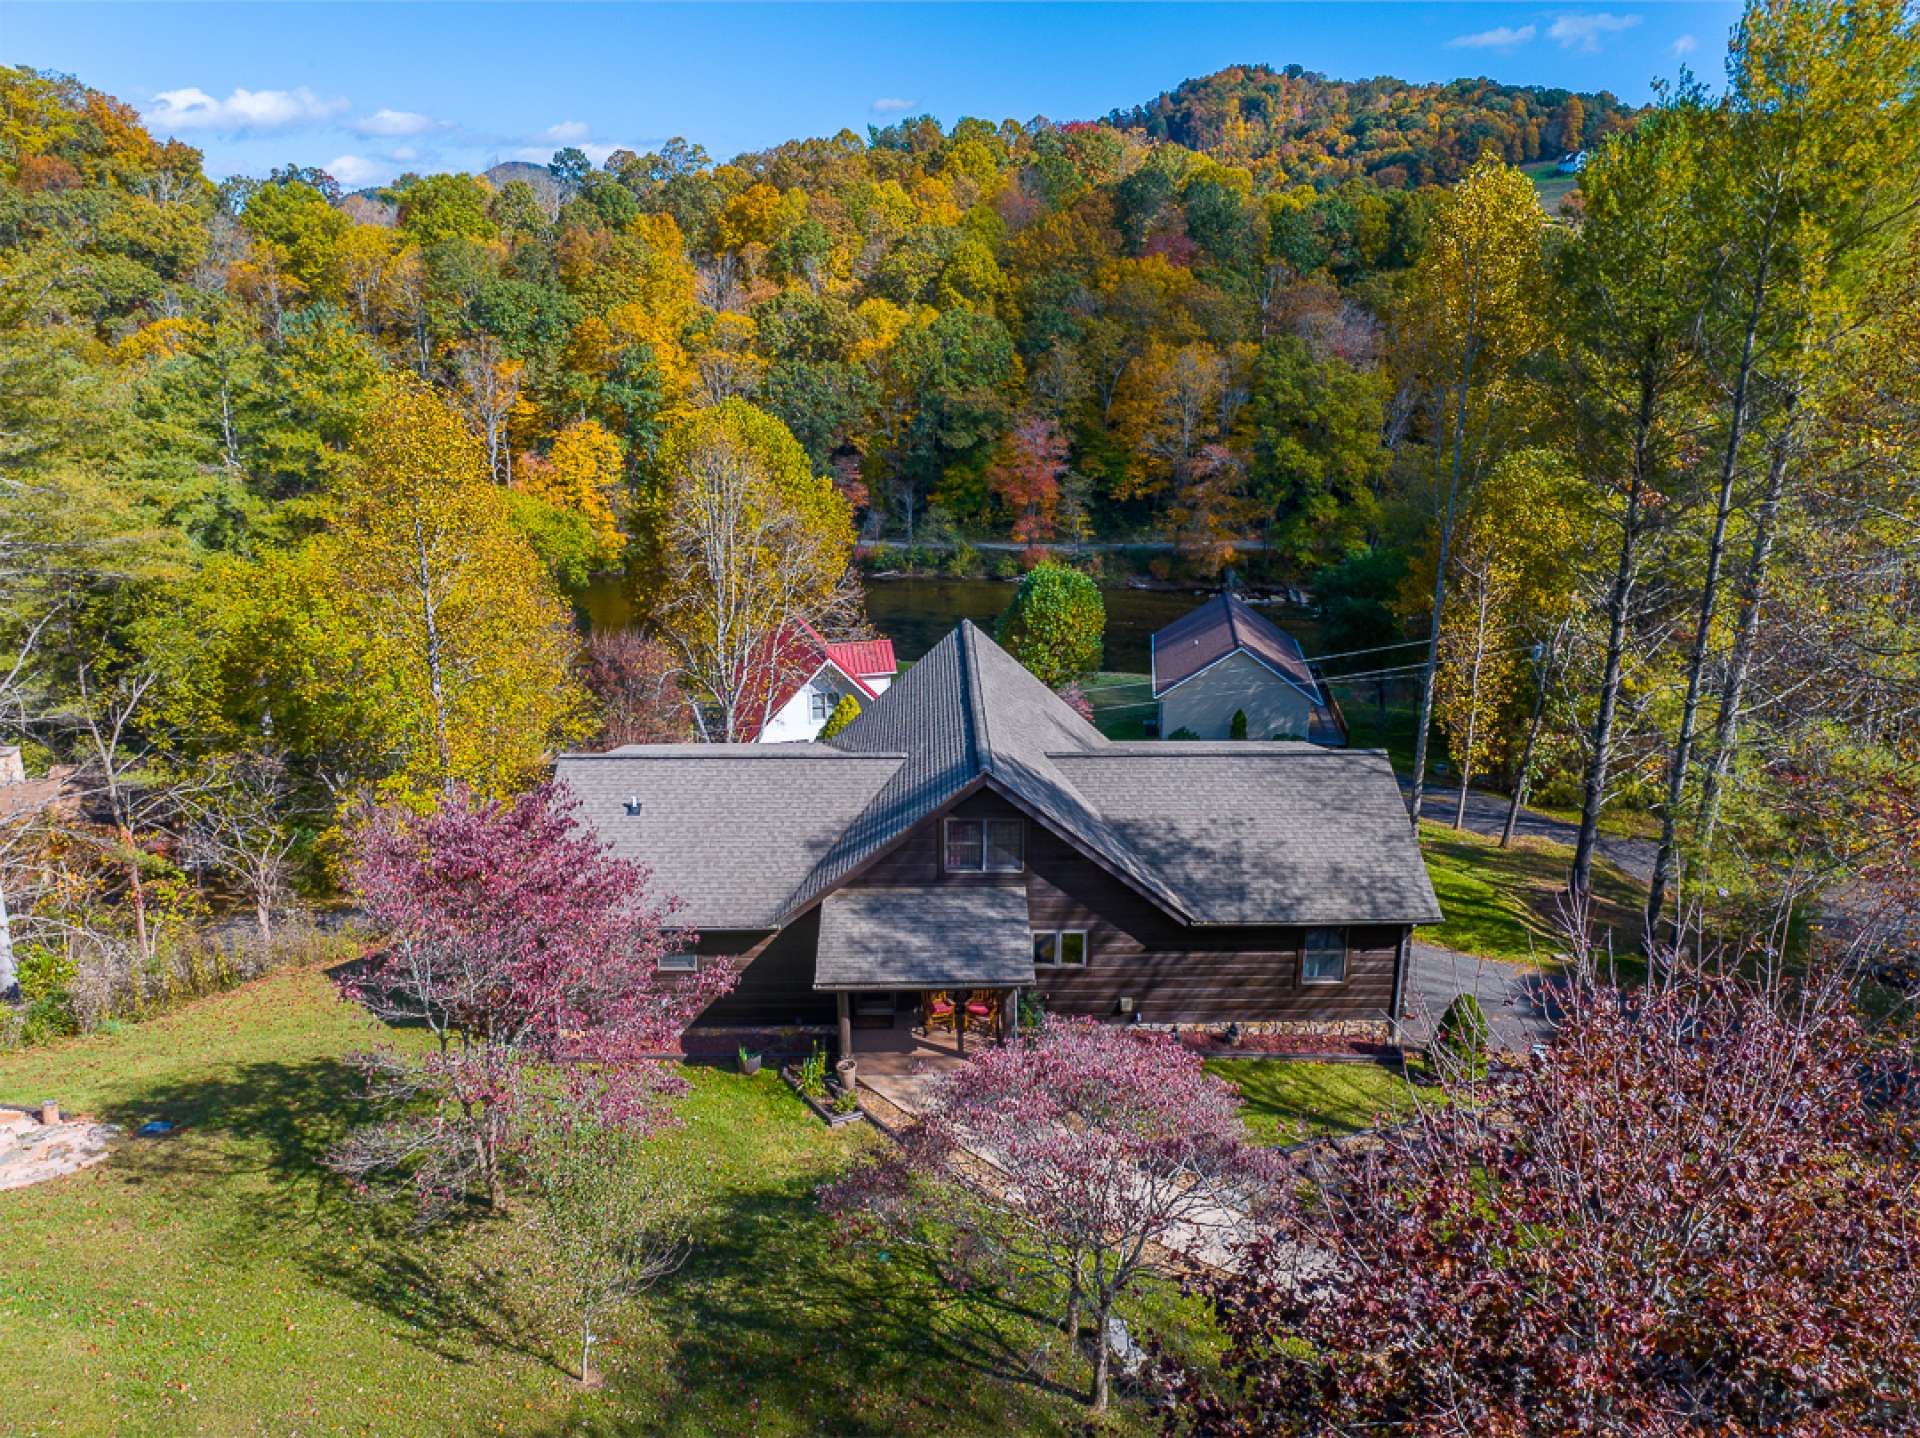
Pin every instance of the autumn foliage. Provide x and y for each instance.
(1692, 1215)
(534, 956)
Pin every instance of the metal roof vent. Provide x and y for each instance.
(633, 805)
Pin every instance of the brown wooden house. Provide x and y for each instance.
(969, 833)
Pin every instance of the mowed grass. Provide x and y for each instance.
(1290, 1100)
(1122, 703)
(1505, 903)
(219, 1281)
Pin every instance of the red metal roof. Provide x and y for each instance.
(797, 655)
(867, 658)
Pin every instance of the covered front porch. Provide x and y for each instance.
(921, 972)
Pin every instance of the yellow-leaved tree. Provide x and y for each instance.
(438, 613)
(581, 473)
(749, 542)
(1473, 314)
(1510, 592)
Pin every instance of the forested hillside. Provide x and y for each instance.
(298, 483)
(1293, 126)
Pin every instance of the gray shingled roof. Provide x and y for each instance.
(967, 712)
(731, 829)
(928, 936)
(1215, 833)
(1224, 624)
(1265, 833)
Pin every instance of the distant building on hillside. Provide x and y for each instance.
(1573, 164)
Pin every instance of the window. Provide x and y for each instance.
(1060, 948)
(821, 703)
(1324, 958)
(986, 846)
(684, 962)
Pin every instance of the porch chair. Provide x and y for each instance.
(938, 1011)
(983, 1012)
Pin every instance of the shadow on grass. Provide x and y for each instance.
(771, 1305)
(274, 1191)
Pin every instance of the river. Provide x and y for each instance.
(917, 613)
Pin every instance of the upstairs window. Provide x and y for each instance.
(1324, 958)
(821, 704)
(1060, 948)
(986, 846)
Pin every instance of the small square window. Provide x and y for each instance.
(1006, 846)
(684, 962)
(1323, 958)
(965, 846)
(821, 703)
(1060, 948)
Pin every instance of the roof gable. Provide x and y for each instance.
(1223, 833)
(1226, 624)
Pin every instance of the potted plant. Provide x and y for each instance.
(809, 1079)
(749, 1061)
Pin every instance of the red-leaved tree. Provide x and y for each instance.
(1027, 478)
(1693, 1214)
(1089, 1153)
(532, 954)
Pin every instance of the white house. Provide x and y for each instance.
(1225, 658)
(818, 675)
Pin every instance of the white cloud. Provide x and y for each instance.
(1685, 45)
(357, 171)
(391, 123)
(1501, 37)
(596, 152)
(403, 154)
(892, 105)
(1584, 32)
(193, 109)
(567, 132)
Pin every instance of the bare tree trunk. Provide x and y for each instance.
(1461, 391)
(1102, 1358)
(1682, 755)
(1519, 796)
(1626, 573)
(1746, 633)
(436, 683)
(1473, 705)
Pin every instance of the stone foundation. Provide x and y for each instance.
(1373, 1031)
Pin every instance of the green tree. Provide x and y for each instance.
(1317, 453)
(1055, 624)
(446, 207)
(844, 713)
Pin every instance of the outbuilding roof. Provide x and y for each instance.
(1223, 625)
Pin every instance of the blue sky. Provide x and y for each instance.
(370, 90)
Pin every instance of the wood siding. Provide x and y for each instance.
(776, 984)
(1173, 974)
(1180, 975)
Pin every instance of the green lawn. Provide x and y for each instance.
(1122, 703)
(1502, 903)
(1290, 1100)
(218, 1281)
(1552, 186)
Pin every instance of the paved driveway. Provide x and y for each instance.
(1487, 814)
(1518, 1000)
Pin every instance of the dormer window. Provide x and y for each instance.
(820, 704)
(986, 846)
